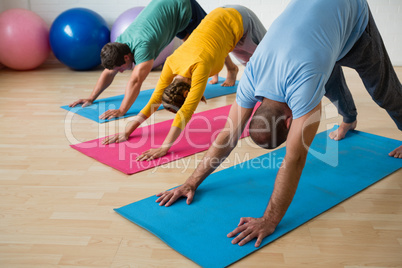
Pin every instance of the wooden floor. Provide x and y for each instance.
(56, 204)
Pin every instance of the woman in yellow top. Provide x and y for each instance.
(185, 74)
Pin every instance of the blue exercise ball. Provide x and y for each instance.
(77, 36)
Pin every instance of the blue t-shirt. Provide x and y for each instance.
(296, 56)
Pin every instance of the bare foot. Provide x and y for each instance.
(214, 79)
(397, 153)
(231, 77)
(342, 130)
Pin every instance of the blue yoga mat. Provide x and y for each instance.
(102, 105)
(334, 172)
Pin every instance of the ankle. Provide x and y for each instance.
(233, 68)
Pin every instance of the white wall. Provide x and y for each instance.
(387, 13)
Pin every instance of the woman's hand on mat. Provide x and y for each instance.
(115, 138)
(250, 228)
(84, 102)
(152, 154)
(167, 198)
(109, 114)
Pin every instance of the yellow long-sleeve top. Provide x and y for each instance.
(201, 56)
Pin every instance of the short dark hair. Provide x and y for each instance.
(112, 54)
(173, 95)
(268, 127)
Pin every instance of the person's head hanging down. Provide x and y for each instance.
(115, 55)
(269, 126)
(175, 95)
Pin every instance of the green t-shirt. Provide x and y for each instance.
(155, 27)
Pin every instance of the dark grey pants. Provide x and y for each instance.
(371, 61)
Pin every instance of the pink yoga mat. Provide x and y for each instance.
(198, 135)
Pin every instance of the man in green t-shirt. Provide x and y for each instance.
(140, 44)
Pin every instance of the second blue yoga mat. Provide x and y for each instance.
(102, 105)
(334, 171)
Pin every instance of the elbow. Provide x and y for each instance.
(136, 80)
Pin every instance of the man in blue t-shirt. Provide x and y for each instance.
(295, 65)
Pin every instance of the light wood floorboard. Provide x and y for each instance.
(56, 205)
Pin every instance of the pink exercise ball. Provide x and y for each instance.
(24, 42)
(124, 20)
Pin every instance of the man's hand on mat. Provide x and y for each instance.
(84, 102)
(152, 154)
(169, 197)
(115, 138)
(109, 114)
(250, 228)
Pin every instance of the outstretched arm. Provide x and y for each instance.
(133, 87)
(183, 116)
(104, 81)
(219, 150)
(152, 105)
(301, 135)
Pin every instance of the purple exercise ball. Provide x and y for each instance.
(124, 20)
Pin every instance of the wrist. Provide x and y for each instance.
(270, 220)
(122, 111)
(193, 182)
(165, 148)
